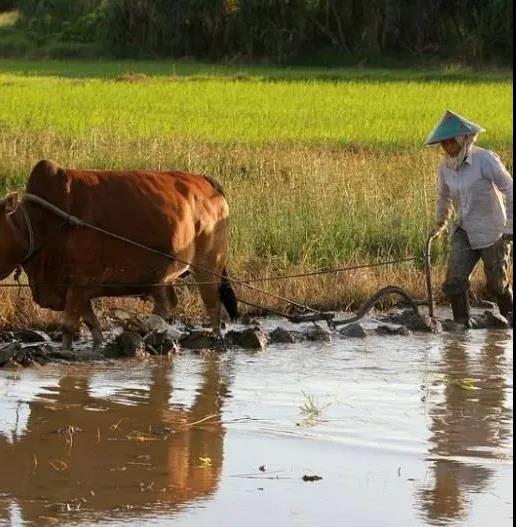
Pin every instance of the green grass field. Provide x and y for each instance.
(210, 105)
(321, 167)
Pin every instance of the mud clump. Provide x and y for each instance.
(393, 329)
(128, 344)
(307, 478)
(490, 320)
(161, 343)
(251, 339)
(282, 336)
(450, 326)
(31, 336)
(139, 337)
(7, 353)
(318, 334)
(200, 339)
(414, 321)
(354, 330)
(18, 354)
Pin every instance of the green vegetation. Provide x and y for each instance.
(281, 31)
(311, 409)
(394, 114)
(317, 172)
(123, 69)
(8, 19)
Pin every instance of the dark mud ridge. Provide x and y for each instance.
(147, 336)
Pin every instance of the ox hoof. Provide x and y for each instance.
(67, 342)
(98, 340)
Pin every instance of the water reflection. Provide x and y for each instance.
(473, 421)
(91, 458)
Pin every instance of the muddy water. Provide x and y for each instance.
(403, 431)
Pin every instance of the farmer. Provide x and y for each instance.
(471, 183)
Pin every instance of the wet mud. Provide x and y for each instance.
(145, 336)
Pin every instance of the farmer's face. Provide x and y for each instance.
(451, 147)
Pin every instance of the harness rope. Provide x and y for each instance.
(321, 272)
(28, 224)
(316, 314)
(77, 222)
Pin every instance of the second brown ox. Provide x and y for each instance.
(180, 214)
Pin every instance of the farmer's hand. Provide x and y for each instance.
(436, 231)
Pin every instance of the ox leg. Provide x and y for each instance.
(91, 320)
(210, 295)
(172, 302)
(172, 297)
(161, 303)
(74, 308)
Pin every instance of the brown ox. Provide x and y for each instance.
(180, 214)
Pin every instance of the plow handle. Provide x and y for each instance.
(428, 275)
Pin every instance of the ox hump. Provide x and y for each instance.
(46, 167)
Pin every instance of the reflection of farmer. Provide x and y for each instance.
(467, 424)
(471, 182)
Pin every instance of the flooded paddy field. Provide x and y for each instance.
(398, 430)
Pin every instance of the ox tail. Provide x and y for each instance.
(228, 297)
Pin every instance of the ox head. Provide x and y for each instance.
(11, 250)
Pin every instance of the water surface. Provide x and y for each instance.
(403, 431)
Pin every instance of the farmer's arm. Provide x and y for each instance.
(496, 171)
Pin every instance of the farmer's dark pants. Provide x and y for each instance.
(463, 260)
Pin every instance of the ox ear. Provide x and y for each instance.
(10, 203)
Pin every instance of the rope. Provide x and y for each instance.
(332, 271)
(264, 308)
(16, 232)
(77, 222)
(243, 281)
(30, 230)
(319, 315)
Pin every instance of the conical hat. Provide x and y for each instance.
(452, 125)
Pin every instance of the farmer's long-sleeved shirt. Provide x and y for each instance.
(476, 193)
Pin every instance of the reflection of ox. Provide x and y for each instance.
(180, 214)
(129, 455)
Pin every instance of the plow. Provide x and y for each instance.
(376, 298)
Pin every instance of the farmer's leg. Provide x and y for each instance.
(461, 263)
(496, 265)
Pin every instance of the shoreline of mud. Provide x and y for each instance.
(143, 337)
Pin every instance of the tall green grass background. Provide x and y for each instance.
(321, 167)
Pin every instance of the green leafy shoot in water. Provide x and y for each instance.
(465, 383)
(311, 408)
